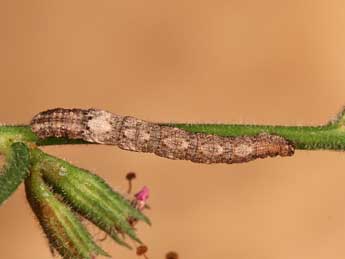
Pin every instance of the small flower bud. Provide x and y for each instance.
(91, 197)
(64, 231)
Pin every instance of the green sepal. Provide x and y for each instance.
(65, 232)
(15, 170)
(91, 197)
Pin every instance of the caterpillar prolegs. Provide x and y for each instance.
(129, 133)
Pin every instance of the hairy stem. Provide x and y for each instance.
(303, 137)
(330, 136)
(23, 133)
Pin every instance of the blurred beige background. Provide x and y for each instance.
(269, 62)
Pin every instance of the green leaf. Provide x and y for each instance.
(15, 170)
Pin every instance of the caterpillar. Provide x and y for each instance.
(129, 133)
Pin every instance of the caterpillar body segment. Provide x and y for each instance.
(129, 133)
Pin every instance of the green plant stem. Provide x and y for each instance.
(304, 137)
(23, 133)
(330, 136)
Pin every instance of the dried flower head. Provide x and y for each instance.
(171, 255)
(131, 176)
(142, 250)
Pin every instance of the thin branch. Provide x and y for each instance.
(330, 136)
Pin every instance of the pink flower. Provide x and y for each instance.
(143, 194)
(141, 197)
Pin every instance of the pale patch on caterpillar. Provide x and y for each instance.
(129, 133)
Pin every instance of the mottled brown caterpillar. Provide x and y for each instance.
(129, 133)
